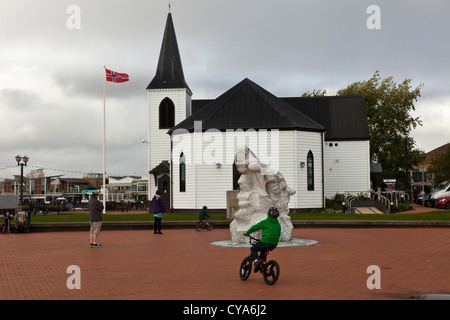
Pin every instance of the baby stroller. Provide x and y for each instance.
(20, 222)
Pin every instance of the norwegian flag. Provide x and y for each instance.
(112, 76)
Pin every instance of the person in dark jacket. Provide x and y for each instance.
(95, 219)
(203, 214)
(28, 219)
(158, 209)
(7, 222)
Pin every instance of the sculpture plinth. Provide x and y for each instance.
(260, 188)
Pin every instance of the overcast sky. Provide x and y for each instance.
(51, 66)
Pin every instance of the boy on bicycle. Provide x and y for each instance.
(271, 231)
(203, 214)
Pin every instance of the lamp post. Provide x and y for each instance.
(149, 196)
(407, 189)
(21, 161)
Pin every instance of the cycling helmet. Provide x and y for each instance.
(273, 212)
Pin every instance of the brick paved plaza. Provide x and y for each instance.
(182, 264)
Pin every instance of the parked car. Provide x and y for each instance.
(443, 191)
(443, 203)
(424, 199)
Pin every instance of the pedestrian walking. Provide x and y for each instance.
(28, 219)
(415, 194)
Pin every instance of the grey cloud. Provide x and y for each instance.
(286, 46)
(19, 99)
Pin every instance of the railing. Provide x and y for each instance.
(349, 197)
(397, 197)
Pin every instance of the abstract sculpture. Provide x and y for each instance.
(260, 188)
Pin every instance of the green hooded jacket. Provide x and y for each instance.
(271, 230)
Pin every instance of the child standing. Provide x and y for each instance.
(7, 222)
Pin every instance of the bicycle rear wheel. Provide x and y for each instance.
(245, 269)
(199, 226)
(272, 272)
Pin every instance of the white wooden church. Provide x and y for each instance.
(319, 144)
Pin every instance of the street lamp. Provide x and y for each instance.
(21, 161)
(407, 189)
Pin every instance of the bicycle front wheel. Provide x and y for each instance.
(199, 226)
(245, 269)
(272, 272)
(209, 226)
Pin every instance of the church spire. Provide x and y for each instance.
(169, 73)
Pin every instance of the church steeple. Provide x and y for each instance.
(169, 73)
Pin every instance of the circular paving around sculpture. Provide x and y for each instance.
(295, 242)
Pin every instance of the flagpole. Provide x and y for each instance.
(104, 143)
(113, 77)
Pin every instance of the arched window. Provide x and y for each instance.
(166, 114)
(310, 170)
(182, 173)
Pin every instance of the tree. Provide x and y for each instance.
(315, 93)
(440, 166)
(388, 108)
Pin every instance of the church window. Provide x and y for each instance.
(310, 170)
(166, 114)
(182, 173)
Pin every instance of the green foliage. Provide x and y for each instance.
(389, 106)
(440, 166)
(335, 203)
(315, 93)
(401, 207)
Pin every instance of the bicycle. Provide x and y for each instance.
(202, 224)
(270, 270)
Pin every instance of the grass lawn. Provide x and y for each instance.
(118, 217)
(434, 215)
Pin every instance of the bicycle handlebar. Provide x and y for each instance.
(252, 238)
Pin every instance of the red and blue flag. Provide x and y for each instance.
(117, 77)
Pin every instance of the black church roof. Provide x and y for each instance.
(163, 167)
(169, 73)
(249, 106)
(344, 117)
